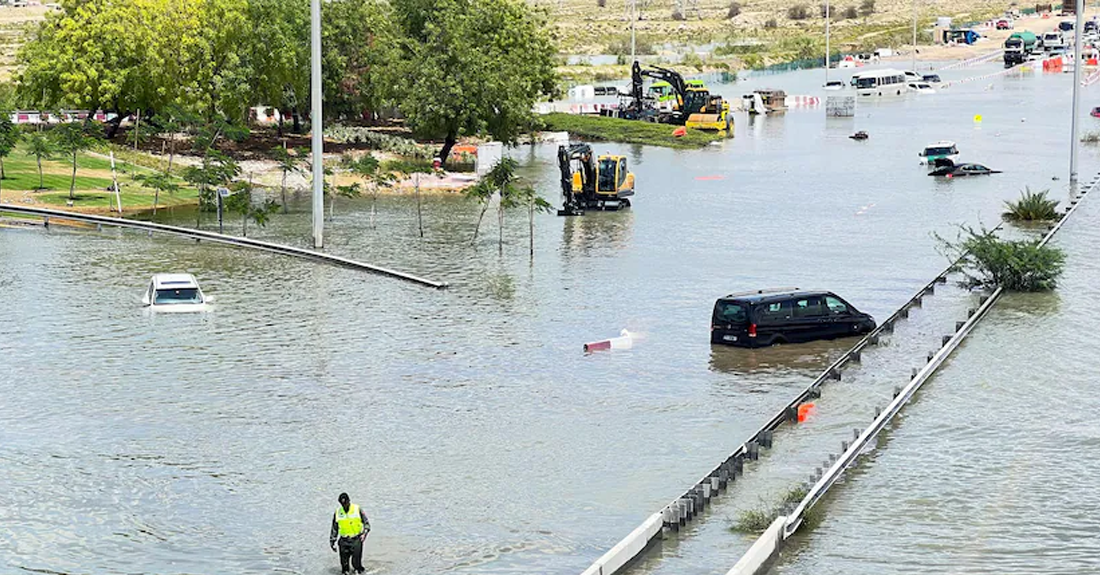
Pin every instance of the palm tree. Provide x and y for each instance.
(288, 163)
(71, 139)
(41, 148)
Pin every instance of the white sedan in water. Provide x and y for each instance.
(921, 88)
(176, 293)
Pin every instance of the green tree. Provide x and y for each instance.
(289, 163)
(369, 168)
(241, 202)
(70, 139)
(40, 148)
(160, 182)
(360, 45)
(470, 67)
(9, 137)
(527, 196)
(1016, 265)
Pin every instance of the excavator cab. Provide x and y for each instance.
(612, 177)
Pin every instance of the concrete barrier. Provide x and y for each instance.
(628, 548)
(767, 547)
(763, 550)
(200, 235)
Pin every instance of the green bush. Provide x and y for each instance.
(798, 12)
(771, 24)
(1015, 265)
(850, 13)
(1031, 207)
(1090, 138)
(753, 521)
(734, 10)
(643, 44)
(867, 7)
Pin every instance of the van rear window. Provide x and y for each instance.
(730, 312)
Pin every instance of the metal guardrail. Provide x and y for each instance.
(684, 508)
(223, 239)
(972, 61)
(767, 546)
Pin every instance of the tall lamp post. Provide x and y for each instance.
(1077, 65)
(828, 16)
(316, 126)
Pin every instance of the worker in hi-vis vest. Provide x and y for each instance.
(349, 528)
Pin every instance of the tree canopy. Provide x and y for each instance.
(470, 67)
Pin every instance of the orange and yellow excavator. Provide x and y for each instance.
(592, 183)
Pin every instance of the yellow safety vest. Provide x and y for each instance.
(350, 523)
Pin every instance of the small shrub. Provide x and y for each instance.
(677, 15)
(694, 60)
(771, 24)
(798, 12)
(752, 521)
(867, 7)
(1031, 207)
(825, 9)
(850, 13)
(1015, 265)
(734, 10)
(601, 3)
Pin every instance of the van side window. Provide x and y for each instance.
(835, 306)
(773, 312)
(808, 307)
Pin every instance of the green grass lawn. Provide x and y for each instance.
(93, 179)
(627, 131)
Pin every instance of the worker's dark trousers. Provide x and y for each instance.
(351, 548)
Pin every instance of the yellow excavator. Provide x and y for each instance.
(593, 183)
(693, 105)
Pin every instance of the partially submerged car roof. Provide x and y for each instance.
(172, 281)
(772, 295)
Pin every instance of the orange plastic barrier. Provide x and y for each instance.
(804, 411)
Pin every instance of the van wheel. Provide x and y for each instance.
(776, 340)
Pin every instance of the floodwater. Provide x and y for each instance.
(467, 422)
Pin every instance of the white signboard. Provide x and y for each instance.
(840, 106)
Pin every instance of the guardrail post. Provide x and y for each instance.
(856, 356)
(913, 373)
(873, 340)
(959, 325)
(904, 311)
(888, 326)
(931, 354)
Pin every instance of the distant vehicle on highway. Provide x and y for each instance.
(176, 293)
(766, 317)
(1004, 24)
(948, 169)
(921, 88)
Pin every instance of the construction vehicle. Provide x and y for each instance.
(592, 183)
(1018, 47)
(693, 106)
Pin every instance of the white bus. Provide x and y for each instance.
(886, 82)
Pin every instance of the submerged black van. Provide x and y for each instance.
(765, 317)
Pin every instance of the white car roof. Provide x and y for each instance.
(941, 144)
(169, 281)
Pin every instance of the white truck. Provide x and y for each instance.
(1054, 41)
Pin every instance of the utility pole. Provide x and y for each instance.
(914, 35)
(828, 17)
(316, 126)
(633, 20)
(1077, 66)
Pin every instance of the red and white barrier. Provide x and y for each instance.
(803, 101)
(624, 341)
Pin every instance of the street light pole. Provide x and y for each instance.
(1077, 66)
(914, 35)
(316, 126)
(633, 19)
(828, 17)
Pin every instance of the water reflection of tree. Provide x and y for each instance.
(598, 232)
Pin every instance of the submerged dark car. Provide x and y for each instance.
(931, 78)
(948, 169)
(765, 317)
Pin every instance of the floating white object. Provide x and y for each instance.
(624, 341)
